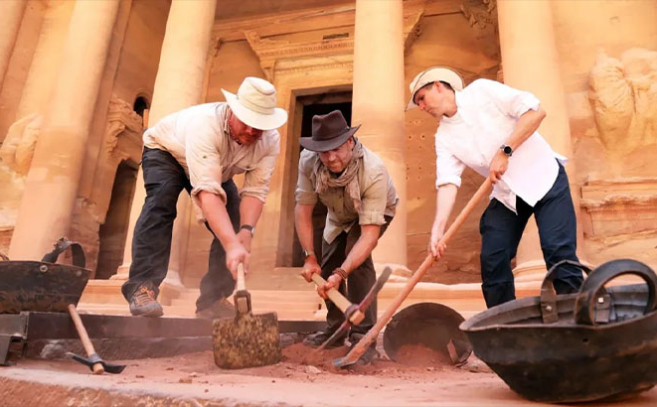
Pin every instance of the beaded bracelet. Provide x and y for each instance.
(342, 273)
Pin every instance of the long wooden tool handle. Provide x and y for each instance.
(371, 336)
(84, 337)
(339, 300)
(240, 278)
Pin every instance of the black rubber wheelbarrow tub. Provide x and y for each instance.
(43, 285)
(600, 343)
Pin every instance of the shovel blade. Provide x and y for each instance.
(246, 341)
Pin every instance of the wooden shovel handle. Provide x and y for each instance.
(371, 336)
(339, 300)
(84, 337)
(241, 286)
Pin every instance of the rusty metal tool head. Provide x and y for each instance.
(95, 363)
(246, 340)
(351, 310)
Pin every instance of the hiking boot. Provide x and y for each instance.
(144, 304)
(219, 309)
(318, 338)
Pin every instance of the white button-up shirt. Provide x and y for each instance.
(487, 113)
(198, 138)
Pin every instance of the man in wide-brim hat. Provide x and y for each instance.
(493, 129)
(361, 200)
(200, 149)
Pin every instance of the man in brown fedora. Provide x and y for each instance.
(200, 149)
(361, 200)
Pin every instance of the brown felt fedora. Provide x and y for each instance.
(329, 131)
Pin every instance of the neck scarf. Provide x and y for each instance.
(348, 179)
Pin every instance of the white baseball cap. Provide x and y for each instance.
(255, 104)
(430, 75)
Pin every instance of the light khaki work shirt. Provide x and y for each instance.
(198, 138)
(377, 193)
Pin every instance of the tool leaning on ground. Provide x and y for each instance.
(246, 340)
(95, 363)
(353, 313)
(362, 345)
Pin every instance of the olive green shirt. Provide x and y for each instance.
(377, 193)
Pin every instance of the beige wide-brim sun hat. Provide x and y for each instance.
(255, 104)
(433, 74)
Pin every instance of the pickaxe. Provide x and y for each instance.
(353, 313)
(95, 363)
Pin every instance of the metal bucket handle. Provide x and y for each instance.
(62, 244)
(585, 301)
(549, 295)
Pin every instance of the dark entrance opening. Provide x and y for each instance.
(113, 232)
(140, 105)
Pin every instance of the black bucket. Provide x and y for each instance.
(43, 285)
(600, 343)
(434, 326)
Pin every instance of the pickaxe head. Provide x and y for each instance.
(94, 359)
(371, 295)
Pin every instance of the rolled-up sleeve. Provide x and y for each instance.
(374, 199)
(305, 193)
(448, 167)
(508, 100)
(256, 181)
(203, 162)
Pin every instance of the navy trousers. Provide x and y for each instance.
(164, 179)
(501, 230)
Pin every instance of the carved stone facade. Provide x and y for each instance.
(309, 51)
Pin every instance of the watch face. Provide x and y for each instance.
(508, 150)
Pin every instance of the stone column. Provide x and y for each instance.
(531, 63)
(179, 84)
(52, 182)
(378, 104)
(11, 14)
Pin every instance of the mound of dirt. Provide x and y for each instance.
(420, 355)
(301, 354)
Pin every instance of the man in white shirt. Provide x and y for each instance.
(492, 128)
(200, 149)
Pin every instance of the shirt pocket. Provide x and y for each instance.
(244, 165)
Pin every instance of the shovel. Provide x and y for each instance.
(247, 340)
(369, 338)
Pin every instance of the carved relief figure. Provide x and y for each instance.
(623, 94)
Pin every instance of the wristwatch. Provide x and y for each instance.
(506, 149)
(308, 253)
(249, 228)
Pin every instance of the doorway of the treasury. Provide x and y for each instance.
(308, 106)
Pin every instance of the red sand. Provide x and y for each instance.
(302, 378)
